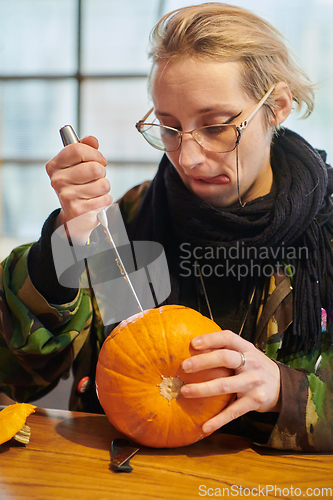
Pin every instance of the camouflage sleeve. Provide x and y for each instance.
(41, 337)
(305, 422)
(38, 340)
(131, 200)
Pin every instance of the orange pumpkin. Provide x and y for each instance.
(139, 376)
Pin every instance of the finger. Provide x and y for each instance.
(73, 154)
(195, 352)
(90, 140)
(80, 153)
(83, 173)
(212, 359)
(79, 207)
(219, 340)
(242, 382)
(99, 187)
(233, 411)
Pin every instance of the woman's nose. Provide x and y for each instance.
(191, 153)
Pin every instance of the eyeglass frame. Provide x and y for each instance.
(180, 133)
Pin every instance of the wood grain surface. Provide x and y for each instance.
(68, 457)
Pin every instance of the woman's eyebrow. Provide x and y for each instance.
(213, 112)
(203, 111)
(233, 117)
(161, 113)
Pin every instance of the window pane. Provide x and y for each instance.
(27, 199)
(110, 110)
(317, 129)
(170, 5)
(115, 35)
(32, 113)
(37, 36)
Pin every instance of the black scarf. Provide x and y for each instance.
(297, 214)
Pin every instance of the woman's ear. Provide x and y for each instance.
(283, 102)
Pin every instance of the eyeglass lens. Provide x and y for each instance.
(217, 138)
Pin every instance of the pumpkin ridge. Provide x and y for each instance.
(192, 418)
(183, 409)
(134, 337)
(123, 374)
(164, 337)
(164, 323)
(128, 355)
(157, 430)
(157, 355)
(118, 348)
(176, 422)
(169, 416)
(124, 352)
(142, 425)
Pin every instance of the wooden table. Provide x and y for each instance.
(68, 458)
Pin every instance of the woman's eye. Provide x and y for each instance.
(216, 129)
(168, 132)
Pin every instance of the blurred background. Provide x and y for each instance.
(84, 62)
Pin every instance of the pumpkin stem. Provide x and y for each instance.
(23, 436)
(170, 387)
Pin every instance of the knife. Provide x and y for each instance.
(69, 136)
(121, 453)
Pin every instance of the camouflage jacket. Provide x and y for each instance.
(40, 342)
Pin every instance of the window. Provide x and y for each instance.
(84, 62)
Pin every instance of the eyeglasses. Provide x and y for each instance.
(219, 138)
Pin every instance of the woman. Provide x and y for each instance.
(243, 211)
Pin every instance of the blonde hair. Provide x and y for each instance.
(222, 32)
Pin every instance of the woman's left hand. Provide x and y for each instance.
(255, 382)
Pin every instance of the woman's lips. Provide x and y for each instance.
(217, 179)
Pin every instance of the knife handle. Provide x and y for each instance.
(69, 136)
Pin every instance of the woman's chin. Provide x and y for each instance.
(218, 195)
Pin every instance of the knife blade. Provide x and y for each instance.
(121, 453)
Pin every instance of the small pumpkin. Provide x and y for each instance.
(12, 422)
(139, 376)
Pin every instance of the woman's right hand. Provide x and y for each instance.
(78, 176)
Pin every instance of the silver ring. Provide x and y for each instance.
(243, 360)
